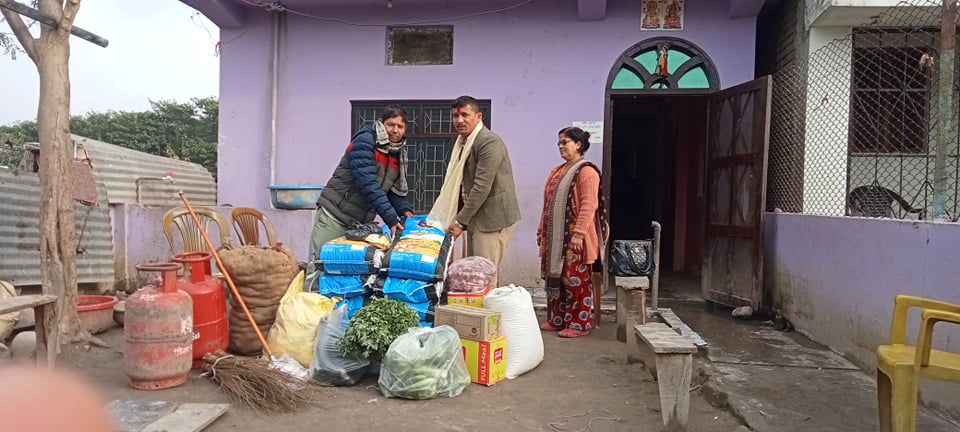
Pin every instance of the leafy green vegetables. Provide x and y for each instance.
(375, 326)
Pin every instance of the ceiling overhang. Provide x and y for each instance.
(226, 14)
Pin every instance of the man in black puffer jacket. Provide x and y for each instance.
(369, 181)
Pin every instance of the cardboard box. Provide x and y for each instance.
(468, 299)
(486, 360)
(470, 322)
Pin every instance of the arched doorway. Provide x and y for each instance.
(655, 135)
(680, 151)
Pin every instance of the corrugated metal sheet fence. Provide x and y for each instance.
(118, 168)
(20, 233)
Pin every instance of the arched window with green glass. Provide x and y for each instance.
(664, 63)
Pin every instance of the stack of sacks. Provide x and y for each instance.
(415, 266)
(421, 295)
(346, 266)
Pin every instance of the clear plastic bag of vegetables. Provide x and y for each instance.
(329, 364)
(424, 363)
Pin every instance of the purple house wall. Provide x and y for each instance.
(540, 65)
(844, 298)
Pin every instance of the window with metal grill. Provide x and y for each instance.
(890, 91)
(430, 136)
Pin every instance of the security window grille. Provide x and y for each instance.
(890, 93)
(430, 136)
(420, 45)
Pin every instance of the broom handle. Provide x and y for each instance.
(226, 275)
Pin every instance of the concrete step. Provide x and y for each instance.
(608, 308)
(608, 303)
(671, 293)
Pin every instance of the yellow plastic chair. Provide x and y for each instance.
(247, 221)
(900, 366)
(192, 240)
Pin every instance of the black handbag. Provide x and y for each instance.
(631, 258)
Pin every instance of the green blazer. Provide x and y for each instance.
(488, 195)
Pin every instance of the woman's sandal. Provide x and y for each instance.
(571, 333)
(546, 326)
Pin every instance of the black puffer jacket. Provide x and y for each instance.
(360, 186)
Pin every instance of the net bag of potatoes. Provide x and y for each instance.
(261, 275)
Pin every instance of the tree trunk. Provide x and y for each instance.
(57, 227)
(58, 235)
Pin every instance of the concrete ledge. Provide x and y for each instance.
(721, 397)
(753, 394)
(608, 308)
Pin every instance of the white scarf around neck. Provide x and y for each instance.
(445, 208)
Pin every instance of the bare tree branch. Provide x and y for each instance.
(27, 41)
(69, 14)
(53, 9)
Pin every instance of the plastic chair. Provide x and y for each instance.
(247, 221)
(192, 240)
(900, 366)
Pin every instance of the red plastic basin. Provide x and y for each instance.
(96, 312)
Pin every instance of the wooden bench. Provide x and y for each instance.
(672, 367)
(44, 313)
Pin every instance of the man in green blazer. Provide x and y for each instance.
(488, 209)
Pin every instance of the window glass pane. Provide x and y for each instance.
(627, 79)
(695, 78)
(425, 172)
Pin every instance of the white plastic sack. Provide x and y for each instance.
(518, 322)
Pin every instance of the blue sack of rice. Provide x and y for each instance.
(342, 286)
(412, 290)
(420, 252)
(350, 257)
(428, 310)
(353, 305)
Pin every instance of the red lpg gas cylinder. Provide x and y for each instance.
(158, 330)
(209, 305)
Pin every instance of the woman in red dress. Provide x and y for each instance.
(572, 225)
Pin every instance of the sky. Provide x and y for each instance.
(158, 50)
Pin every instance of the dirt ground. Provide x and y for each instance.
(585, 377)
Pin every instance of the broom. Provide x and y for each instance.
(259, 384)
(252, 382)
